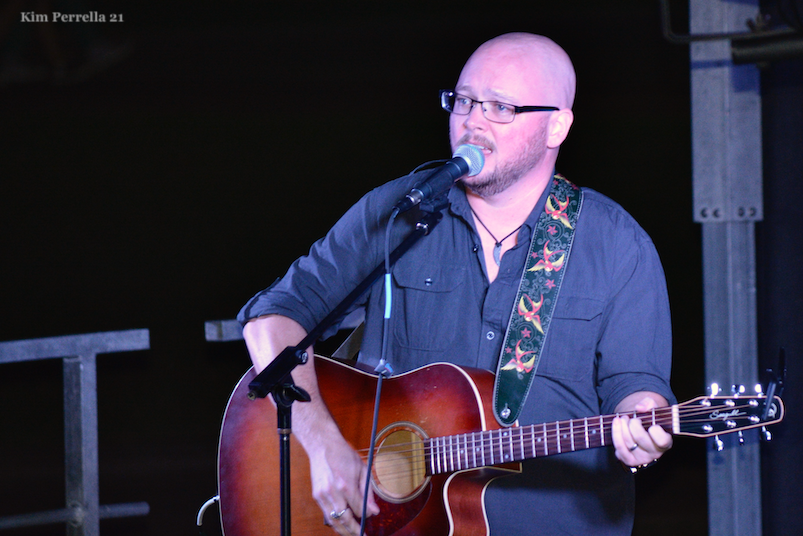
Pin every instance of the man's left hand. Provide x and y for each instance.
(634, 445)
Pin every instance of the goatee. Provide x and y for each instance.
(509, 173)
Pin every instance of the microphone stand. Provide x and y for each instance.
(276, 380)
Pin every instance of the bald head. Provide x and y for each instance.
(518, 69)
(542, 65)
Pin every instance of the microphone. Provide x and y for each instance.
(467, 160)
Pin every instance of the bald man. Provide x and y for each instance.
(608, 348)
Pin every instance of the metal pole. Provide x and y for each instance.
(727, 176)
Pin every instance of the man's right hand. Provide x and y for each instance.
(338, 473)
(338, 482)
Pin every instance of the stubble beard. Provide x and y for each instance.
(509, 173)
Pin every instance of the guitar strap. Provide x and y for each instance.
(535, 302)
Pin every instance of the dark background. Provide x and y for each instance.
(166, 189)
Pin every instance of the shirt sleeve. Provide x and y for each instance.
(635, 347)
(335, 265)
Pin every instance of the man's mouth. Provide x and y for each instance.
(485, 146)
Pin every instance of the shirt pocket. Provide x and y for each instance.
(426, 305)
(571, 346)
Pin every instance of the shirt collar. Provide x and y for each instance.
(458, 205)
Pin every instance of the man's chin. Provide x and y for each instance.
(485, 186)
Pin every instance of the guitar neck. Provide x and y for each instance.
(705, 416)
(494, 447)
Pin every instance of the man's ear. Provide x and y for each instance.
(559, 125)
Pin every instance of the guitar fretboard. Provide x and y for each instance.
(494, 447)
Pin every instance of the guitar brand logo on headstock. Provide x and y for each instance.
(716, 414)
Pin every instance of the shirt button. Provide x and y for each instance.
(476, 248)
(490, 335)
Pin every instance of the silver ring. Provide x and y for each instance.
(634, 447)
(337, 515)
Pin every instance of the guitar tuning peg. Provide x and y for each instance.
(713, 389)
(737, 390)
(765, 434)
(741, 437)
(759, 390)
(719, 446)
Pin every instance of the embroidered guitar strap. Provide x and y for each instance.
(535, 301)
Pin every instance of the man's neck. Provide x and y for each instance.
(512, 206)
(498, 217)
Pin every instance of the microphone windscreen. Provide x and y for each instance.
(473, 155)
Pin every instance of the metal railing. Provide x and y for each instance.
(78, 353)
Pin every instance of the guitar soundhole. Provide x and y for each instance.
(399, 466)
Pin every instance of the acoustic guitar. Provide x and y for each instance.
(438, 446)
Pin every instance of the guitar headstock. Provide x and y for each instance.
(707, 416)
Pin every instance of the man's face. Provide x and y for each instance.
(510, 149)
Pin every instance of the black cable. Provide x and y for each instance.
(382, 368)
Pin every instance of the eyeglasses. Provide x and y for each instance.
(498, 112)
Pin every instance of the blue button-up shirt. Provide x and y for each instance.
(610, 334)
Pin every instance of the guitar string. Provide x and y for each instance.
(525, 436)
(560, 436)
(490, 445)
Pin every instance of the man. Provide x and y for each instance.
(608, 347)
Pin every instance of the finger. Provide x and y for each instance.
(371, 506)
(348, 524)
(622, 439)
(646, 404)
(661, 438)
(640, 436)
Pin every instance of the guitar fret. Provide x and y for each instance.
(521, 442)
(557, 426)
(585, 426)
(509, 434)
(451, 454)
(464, 451)
(460, 451)
(474, 448)
(444, 454)
(601, 431)
(471, 460)
(481, 448)
(571, 432)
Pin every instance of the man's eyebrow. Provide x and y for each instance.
(495, 94)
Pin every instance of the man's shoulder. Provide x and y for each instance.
(603, 214)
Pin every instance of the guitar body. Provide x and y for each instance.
(433, 401)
